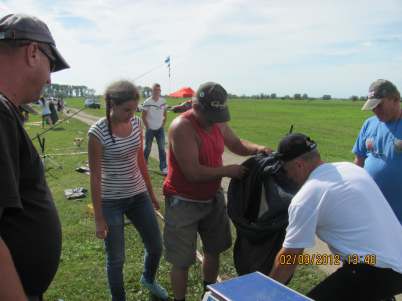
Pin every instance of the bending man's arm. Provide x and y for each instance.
(239, 146)
(10, 284)
(284, 265)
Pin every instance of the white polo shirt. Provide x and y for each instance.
(343, 205)
(155, 112)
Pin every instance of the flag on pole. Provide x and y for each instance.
(167, 61)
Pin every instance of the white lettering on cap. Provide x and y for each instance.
(217, 104)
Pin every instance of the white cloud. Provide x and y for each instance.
(249, 46)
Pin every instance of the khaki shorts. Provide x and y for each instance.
(184, 219)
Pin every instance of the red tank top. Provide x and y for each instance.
(210, 154)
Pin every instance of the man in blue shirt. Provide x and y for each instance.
(378, 148)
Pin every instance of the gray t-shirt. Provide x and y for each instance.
(155, 112)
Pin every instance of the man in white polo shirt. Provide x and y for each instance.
(343, 206)
(154, 118)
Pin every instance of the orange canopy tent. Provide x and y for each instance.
(183, 92)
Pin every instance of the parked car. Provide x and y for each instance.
(92, 103)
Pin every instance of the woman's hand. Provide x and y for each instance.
(155, 202)
(101, 228)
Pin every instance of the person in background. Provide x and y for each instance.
(53, 112)
(60, 104)
(194, 199)
(120, 185)
(46, 118)
(30, 230)
(341, 204)
(378, 148)
(154, 118)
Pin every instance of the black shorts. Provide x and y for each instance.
(358, 282)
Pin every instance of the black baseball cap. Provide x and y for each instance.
(294, 145)
(377, 91)
(26, 27)
(213, 99)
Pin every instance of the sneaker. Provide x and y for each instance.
(164, 171)
(154, 288)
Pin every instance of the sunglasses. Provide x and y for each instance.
(49, 55)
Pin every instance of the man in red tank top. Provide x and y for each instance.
(194, 199)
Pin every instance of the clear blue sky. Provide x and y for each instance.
(335, 47)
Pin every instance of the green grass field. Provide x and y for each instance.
(81, 275)
(333, 124)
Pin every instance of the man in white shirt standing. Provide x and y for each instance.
(154, 118)
(343, 206)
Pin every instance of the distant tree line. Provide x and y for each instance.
(355, 97)
(145, 91)
(58, 90)
(296, 96)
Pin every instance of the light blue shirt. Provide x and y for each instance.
(380, 143)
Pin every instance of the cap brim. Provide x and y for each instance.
(371, 103)
(217, 116)
(60, 63)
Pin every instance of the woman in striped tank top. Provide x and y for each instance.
(120, 185)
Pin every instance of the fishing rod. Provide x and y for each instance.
(57, 124)
(149, 71)
(37, 136)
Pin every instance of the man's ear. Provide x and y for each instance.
(32, 54)
(301, 164)
(196, 106)
(298, 162)
(397, 98)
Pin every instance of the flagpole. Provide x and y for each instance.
(167, 61)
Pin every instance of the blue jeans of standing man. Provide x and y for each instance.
(159, 134)
(140, 212)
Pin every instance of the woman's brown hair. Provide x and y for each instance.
(116, 94)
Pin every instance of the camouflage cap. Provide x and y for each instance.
(377, 91)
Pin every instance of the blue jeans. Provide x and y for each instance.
(140, 212)
(160, 140)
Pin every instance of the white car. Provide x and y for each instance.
(91, 103)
